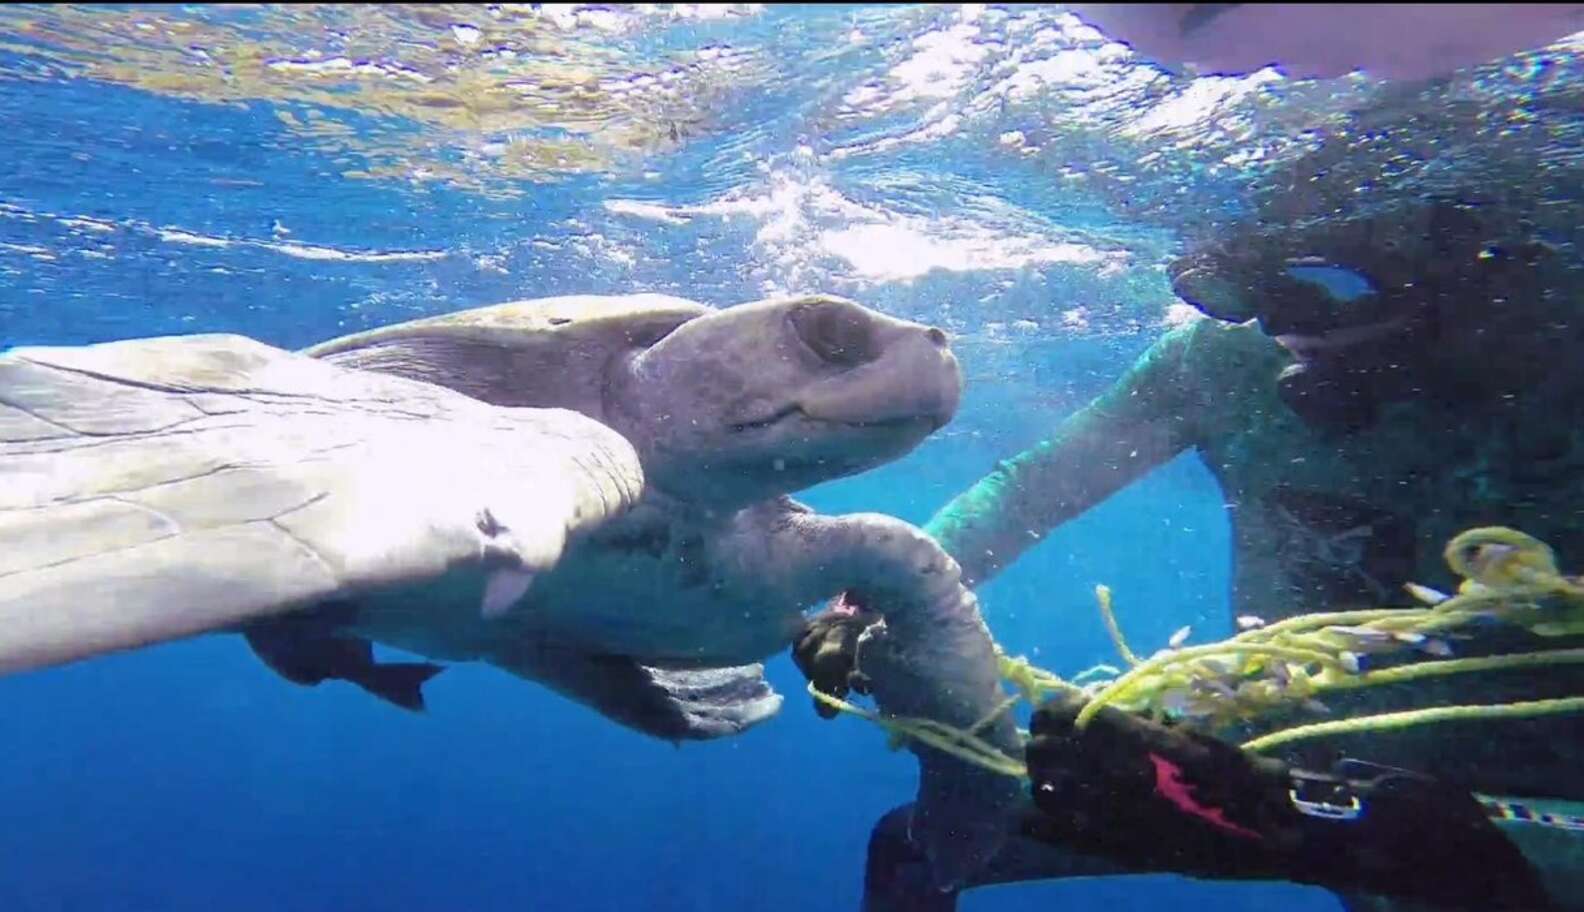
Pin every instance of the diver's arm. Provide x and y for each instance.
(1142, 421)
(1125, 795)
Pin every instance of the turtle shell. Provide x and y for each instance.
(543, 353)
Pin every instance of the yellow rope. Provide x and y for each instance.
(1403, 673)
(1103, 595)
(961, 744)
(1213, 650)
(1328, 619)
(1507, 576)
(1413, 717)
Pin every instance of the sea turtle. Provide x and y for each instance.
(604, 511)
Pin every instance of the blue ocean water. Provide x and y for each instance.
(998, 171)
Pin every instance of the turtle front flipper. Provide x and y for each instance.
(156, 489)
(673, 704)
(930, 657)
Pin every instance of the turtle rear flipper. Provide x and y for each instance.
(305, 648)
(672, 704)
(398, 683)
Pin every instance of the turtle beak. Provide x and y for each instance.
(915, 377)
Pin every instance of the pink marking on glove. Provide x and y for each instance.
(843, 606)
(1169, 784)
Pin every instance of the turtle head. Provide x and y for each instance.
(776, 396)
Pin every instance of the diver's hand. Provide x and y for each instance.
(827, 650)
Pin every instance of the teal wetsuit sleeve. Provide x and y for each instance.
(1142, 421)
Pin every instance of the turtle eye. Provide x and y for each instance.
(838, 334)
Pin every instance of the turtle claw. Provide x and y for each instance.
(503, 590)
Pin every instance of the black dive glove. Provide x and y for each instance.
(1161, 798)
(1127, 796)
(827, 650)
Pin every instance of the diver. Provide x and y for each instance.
(1362, 388)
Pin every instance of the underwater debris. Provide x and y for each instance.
(1509, 578)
